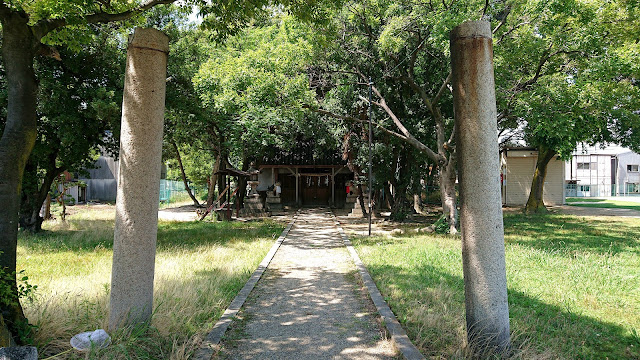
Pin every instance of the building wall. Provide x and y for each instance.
(628, 180)
(592, 174)
(101, 182)
(518, 169)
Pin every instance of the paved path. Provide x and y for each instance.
(308, 304)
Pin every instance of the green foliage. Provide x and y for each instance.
(441, 226)
(25, 291)
(78, 114)
(565, 71)
(254, 88)
(10, 298)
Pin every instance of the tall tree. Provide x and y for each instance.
(403, 48)
(253, 87)
(28, 30)
(565, 72)
(77, 104)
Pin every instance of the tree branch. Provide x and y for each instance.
(442, 87)
(508, 32)
(43, 27)
(409, 138)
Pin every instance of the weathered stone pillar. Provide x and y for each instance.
(134, 245)
(481, 223)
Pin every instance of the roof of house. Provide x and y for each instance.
(305, 154)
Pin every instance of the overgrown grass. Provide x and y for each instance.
(200, 267)
(573, 284)
(607, 204)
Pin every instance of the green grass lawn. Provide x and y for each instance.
(200, 266)
(573, 285)
(604, 203)
(582, 199)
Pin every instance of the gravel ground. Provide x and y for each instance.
(181, 213)
(308, 305)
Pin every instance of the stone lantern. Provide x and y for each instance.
(252, 183)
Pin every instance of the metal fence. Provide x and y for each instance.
(595, 190)
(171, 191)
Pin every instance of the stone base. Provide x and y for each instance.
(274, 203)
(19, 353)
(253, 207)
(356, 210)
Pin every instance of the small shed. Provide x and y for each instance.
(517, 168)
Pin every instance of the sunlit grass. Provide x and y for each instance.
(199, 269)
(582, 199)
(605, 203)
(574, 286)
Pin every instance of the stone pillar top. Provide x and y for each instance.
(472, 29)
(147, 38)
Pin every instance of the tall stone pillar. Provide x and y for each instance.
(485, 282)
(136, 227)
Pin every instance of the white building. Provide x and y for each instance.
(517, 168)
(602, 171)
(628, 177)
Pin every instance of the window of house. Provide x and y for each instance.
(584, 166)
(632, 168)
(585, 188)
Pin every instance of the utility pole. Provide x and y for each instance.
(370, 135)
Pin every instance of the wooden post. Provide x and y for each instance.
(333, 187)
(297, 187)
(485, 282)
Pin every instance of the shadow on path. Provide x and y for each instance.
(307, 305)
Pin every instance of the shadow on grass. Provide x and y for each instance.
(548, 329)
(566, 233)
(89, 235)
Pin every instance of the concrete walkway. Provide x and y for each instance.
(308, 304)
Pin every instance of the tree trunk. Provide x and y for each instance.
(535, 203)
(242, 184)
(211, 194)
(417, 203)
(47, 208)
(387, 196)
(30, 218)
(400, 208)
(18, 51)
(448, 193)
(184, 176)
(34, 193)
(365, 213)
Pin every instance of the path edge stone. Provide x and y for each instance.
(208, 346)
(398, 335)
